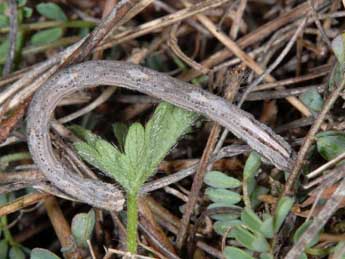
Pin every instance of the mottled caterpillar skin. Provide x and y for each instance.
(103, 195)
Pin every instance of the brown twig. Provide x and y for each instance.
(319, 25)
(237, 20)
(197, 184)
(253, 37)
(309, 139)
(62, 228)
(172, 43)
(204, 165)
(9, 124)
(22, 202)
(12, 4)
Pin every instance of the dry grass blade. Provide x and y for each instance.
(121, 13)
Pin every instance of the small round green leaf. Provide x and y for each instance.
(313, 100)
(40, 253)
(4, 21)
(220, 227)
(283, 208)
(3, 248)
(251, 220)
(338, 250)
(223, 196)
(5, 44)
(16, 253)
(251, 240)
(3, 199)
(338, 48)
(236, 253)
(3, 8)
(267, 227)
(303, 256)
(51, 11)
(27, 11)
(21, 3)
(266, 256)
(330, 144)
(220, 180)
(46, 36)
(233, 213)
(82, 227)
(252, 165)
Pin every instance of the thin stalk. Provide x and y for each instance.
(132, 222)
(7, 234)
(51, 24)
(58, 43)
(4, 160)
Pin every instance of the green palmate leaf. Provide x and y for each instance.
(51, 11)
(134, 149)
(163, 130)
(220, 180)
(3, 248)
(82, 227)
(110, 163)
(223, 196)
(115, 163)
(236, 253)
(46, 36)
(330, 144)
(90, 155)
(283, 208)
(120, 132)
(221, 227)
(313, 100)
(40, 253)
(84, 134)
(143, 150)
(251, 240)
(16, 253)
